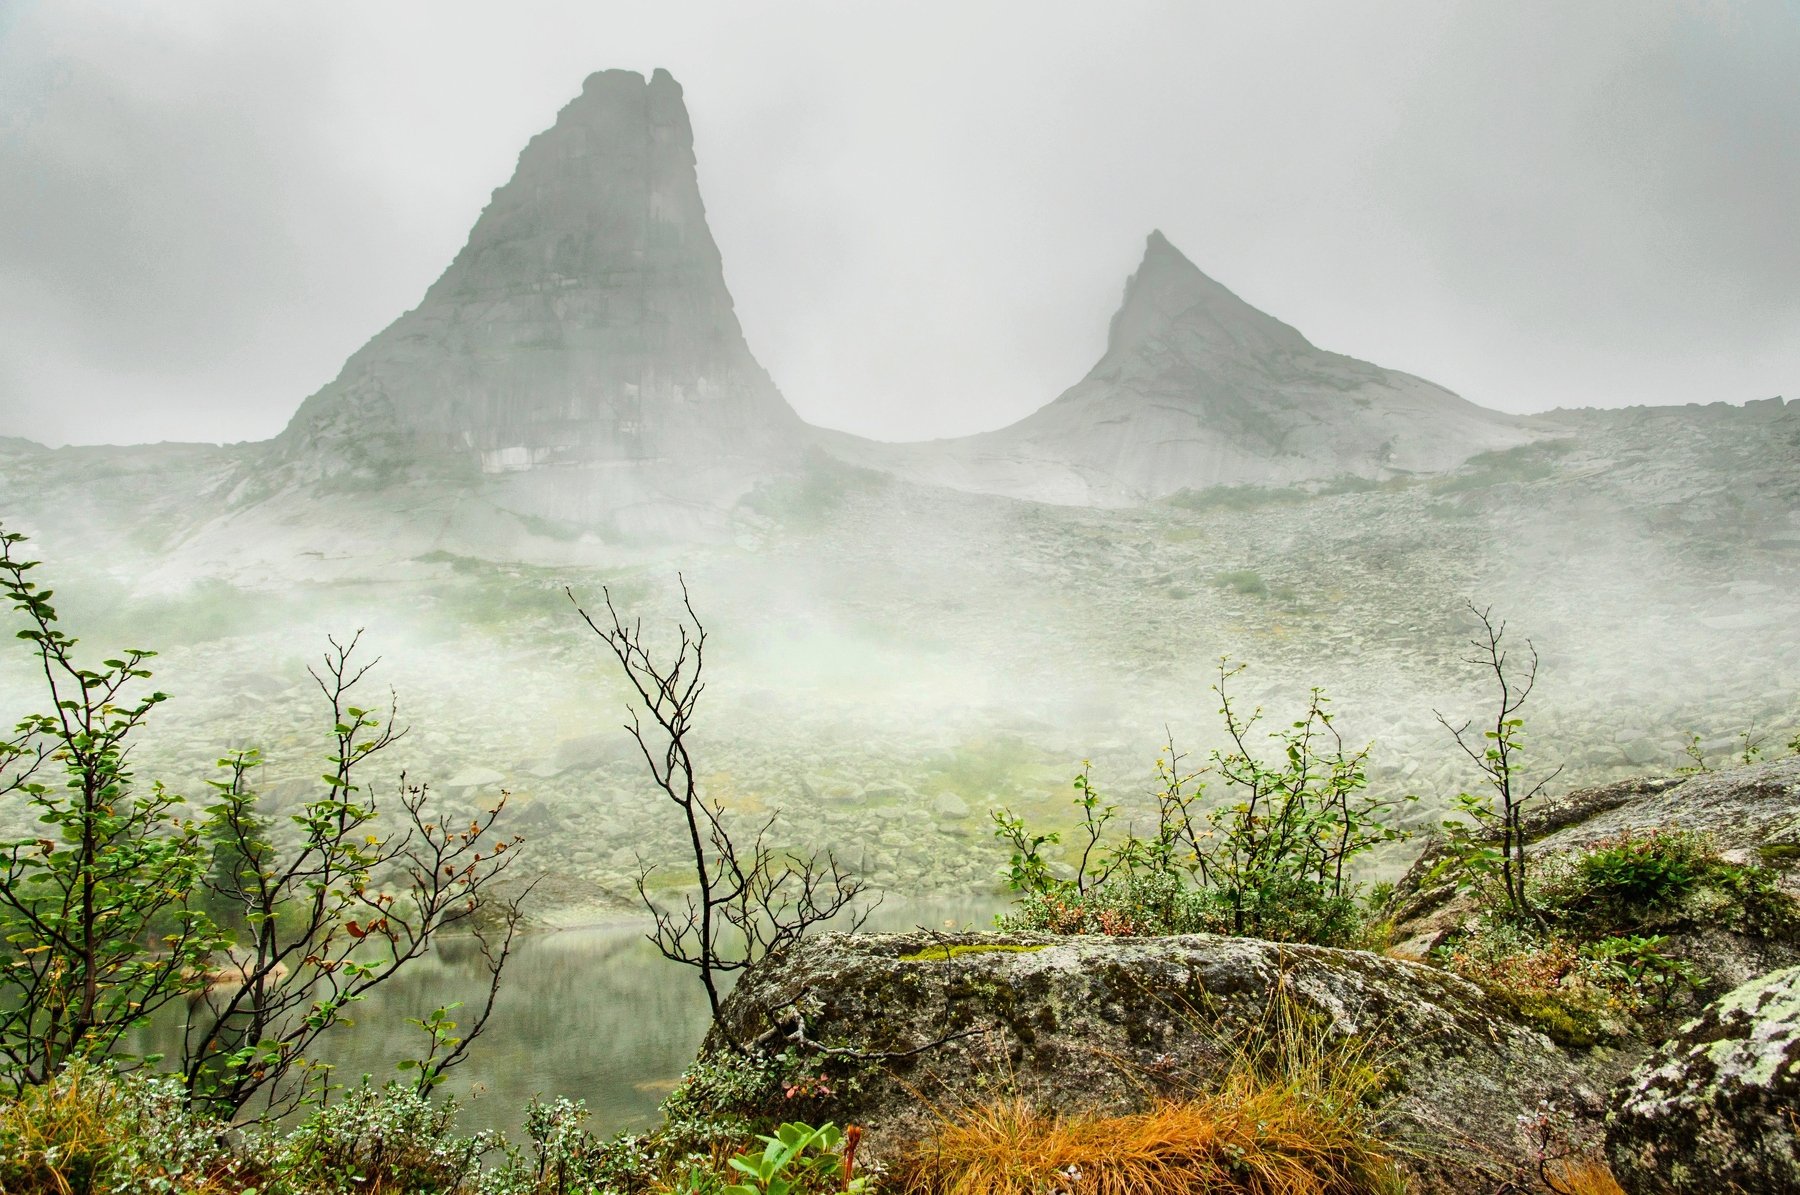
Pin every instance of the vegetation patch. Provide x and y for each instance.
(1593, 957)
(944, 952)
(1664, 880)
(1251, 583)
(1271, 859)
(808, 501)
(1235, 497)
(1526, 462)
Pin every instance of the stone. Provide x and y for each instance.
(1714, 1108)
(1104, 1024)
(475, 777)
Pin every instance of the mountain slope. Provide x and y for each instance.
(1196, 389)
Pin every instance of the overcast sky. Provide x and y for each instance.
(927, 210)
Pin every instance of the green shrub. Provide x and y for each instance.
(374, 1138)
(1526, 462)
(795, 1158)
(1245, 581)
(721, 1098)
(1656, 871)
(1638, 962)
(1666, 879)
(1268, 860)
(1235, 497)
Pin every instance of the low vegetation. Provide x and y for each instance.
(1270, 855)
(1603, 954)
(1524, 463)
(1235, 498)
(270, 923)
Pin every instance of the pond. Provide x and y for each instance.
(594, 1014)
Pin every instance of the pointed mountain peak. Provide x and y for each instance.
(1157, 245)
(585, 320)
(1169, 292)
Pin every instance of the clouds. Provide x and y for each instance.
(927, 211)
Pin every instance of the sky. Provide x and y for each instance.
(927, 210)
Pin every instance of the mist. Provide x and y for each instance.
(1006, 389)
(212, 205)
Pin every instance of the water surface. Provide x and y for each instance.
(594, 1014)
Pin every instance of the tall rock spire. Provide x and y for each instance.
(1168, 292)
(585, 323)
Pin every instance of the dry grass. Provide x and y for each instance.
(1291, 1117)
(68, 1138)
(50, 1138)
(1583, 1178)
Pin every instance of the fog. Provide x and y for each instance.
(926, 218)
(911, 660)
(926, 213)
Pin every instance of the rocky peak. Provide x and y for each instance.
(586, 322)
(605, 196)
(1168, 293)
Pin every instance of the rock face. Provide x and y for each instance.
(582, 350)
(1103, 1024)
(1714, 1109)
(1198, 389)
(1752, 814)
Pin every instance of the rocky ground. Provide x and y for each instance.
(914, 1028)
(891, 661)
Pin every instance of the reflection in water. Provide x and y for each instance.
(594, 1014)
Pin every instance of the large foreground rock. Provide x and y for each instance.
(1714, 1109)
(1106, 1024)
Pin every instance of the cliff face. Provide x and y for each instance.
(1198, 388)
(585, 324)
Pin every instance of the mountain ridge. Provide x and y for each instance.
(578, 372)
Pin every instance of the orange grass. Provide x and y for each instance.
(50, 1137)
(1290, 1117)
(1264, 1144)
(1583, 1178)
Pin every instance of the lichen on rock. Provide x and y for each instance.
(1714, 1108)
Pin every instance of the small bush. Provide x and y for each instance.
(1526, 462)
(1541, 980)
(1245, 581)
(1157, 903)
(1578, 991)
(718, 1097)
(1664, 880)
(1235, 497)
(1652, 872)
(382, 1138)
(1271, 859)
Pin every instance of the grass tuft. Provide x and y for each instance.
(1583, 1178)
(1291, 1117)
